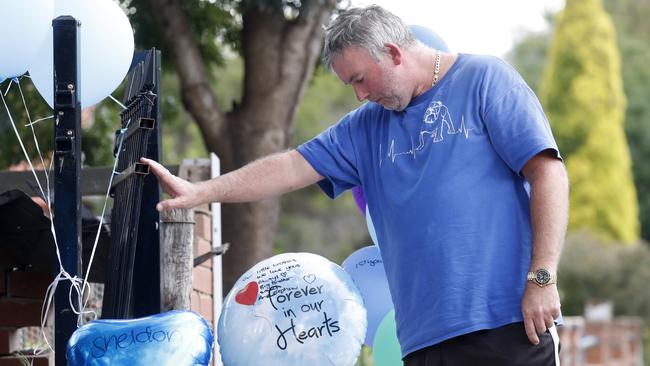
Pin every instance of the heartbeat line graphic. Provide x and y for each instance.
(434, 123)
(462, 129)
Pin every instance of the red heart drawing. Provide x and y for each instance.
(248, 295)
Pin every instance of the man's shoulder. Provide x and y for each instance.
(492, 70)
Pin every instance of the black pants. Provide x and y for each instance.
(504, 346)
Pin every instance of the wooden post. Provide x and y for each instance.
(177, 258)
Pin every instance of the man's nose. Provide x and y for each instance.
(361, 93)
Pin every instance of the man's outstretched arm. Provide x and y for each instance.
(267, 177)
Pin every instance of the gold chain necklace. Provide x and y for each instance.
(436, 69)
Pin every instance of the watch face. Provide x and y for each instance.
(542, 276)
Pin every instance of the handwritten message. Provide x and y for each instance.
(295, 299)
(103, 344)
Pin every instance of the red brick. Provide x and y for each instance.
(203, 227)
(31, 285)
(201, 246)
(16, 315)
(206, 306)
(207, 264)
(202, 279)
(9, 341)
(195, 303)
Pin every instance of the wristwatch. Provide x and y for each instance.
(542, 277)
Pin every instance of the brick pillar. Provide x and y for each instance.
(202, 274)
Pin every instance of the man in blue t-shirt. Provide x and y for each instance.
(464, 182)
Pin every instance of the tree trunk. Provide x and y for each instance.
(280, 55)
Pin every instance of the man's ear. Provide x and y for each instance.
(394, 52)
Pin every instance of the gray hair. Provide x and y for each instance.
(367, 28)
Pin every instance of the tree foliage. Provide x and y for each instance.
(279, 42)
(630, 18)
(529, 55)
(36, 108)
(310, 221)
(582, 92)
(214, 27)
(592, 270)
(98, 126)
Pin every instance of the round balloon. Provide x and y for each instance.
(106, 50)
(371, 227)
(429, 37)
(292, 309)
(366, 268)
(24, 26)
(386, 349)
(180, 338)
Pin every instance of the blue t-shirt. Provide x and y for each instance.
(443, 185)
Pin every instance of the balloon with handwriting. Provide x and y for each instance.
(292, 309)
(386, 348)
(366, 268)
(174, 338)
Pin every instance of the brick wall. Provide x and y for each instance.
(21, 299)
(202, 274)
(601, 343)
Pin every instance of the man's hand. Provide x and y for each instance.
(184, 193)
(540, 307)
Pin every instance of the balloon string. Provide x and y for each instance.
(79, 286)
(40, 155)
(8, 87)
(58, 254)
(117, 101)
(22, 146)
(11, 81)
(39, 120)
(101, 218)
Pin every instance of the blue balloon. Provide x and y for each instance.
(429, 37)
(179, 338)
(386, 348)
(371, 227)
(292, 309)
(366, 268)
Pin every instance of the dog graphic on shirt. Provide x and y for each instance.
(436, 119)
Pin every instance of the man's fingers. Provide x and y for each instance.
(184, 193)
(155, 166)
(555, 312)
(169, 204)
(530, 331)
(549, 322)
(165, 178)
(540, 325)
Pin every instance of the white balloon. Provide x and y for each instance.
(23, 29)
(292, 309)
(371, 227)
(106, 50)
